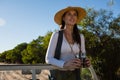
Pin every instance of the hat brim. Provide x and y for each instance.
(59, 14)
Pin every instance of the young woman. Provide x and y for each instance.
(73, 42)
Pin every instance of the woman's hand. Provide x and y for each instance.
(72, 64)
(87, 62)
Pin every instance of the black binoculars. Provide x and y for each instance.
(82, 57)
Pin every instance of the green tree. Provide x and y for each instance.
(115, 27)
(11, 56)
(18, 52)
(34, 52)
(100, 43)
(3, 57)
(46, 40)
(14, 55)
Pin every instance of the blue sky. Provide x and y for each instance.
(25, 20)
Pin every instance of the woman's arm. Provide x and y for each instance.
(51, 52)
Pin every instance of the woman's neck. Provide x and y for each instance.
(69, 29)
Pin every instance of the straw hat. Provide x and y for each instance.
(59, 14)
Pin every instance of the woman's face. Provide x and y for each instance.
(70, 18)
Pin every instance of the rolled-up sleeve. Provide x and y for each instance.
(49, 58)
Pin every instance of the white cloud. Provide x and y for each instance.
(2, 22)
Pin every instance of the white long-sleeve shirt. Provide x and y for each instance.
(66, 52)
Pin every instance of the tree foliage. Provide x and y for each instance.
(33, 53)
(102, 32)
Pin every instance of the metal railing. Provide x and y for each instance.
(31, 67)
(34, 67)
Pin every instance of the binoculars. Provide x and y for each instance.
(82, 57)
